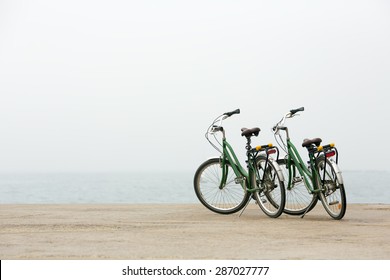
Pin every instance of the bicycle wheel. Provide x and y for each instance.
(333, 193)
(271, 196)
(227, 200)
(298, 198)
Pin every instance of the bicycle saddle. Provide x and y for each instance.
(308, 142)
(249, 132)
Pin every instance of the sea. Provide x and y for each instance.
(143, 187)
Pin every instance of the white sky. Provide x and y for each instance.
(133, 85)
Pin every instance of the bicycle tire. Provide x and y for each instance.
(228, 200)
(298, 198)
(332, 193)
(271, 196)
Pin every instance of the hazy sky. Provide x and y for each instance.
(133, 85)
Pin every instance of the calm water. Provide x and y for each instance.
(361, 187)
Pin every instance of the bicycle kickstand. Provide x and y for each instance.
(309, 207)
(246, 205)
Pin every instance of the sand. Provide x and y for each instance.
(189, 232)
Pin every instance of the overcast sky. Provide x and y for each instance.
(133, 85)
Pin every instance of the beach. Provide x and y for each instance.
(189, 232)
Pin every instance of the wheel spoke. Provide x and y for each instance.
(228, 199)
(332, 194)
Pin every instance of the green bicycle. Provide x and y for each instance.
(225, 187)
(321, 179)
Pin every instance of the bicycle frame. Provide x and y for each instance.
(309, 176)
(228, 155)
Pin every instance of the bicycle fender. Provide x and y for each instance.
(277, 168)
(338, 172)
(213, 158)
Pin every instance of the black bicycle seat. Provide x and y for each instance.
(249, 132)
(308, 142)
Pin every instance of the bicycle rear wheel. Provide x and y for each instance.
(271, 196)
(298, 198)
(332, 193)
(227, 200)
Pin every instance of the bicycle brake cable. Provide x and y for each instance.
(283, 145)
(208, 132)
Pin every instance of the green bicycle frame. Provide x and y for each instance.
(228, 155)
(309, 176)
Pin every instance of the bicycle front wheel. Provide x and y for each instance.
(227, 199)
(271, 194)
(298, 197)
(332, 194)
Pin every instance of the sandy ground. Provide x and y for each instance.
(189, 232)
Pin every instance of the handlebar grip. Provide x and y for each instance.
(293, 111)
(237, 111)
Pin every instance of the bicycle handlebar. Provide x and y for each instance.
(237, 111)
(214, 127)
(293, 111)
(280, 124)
